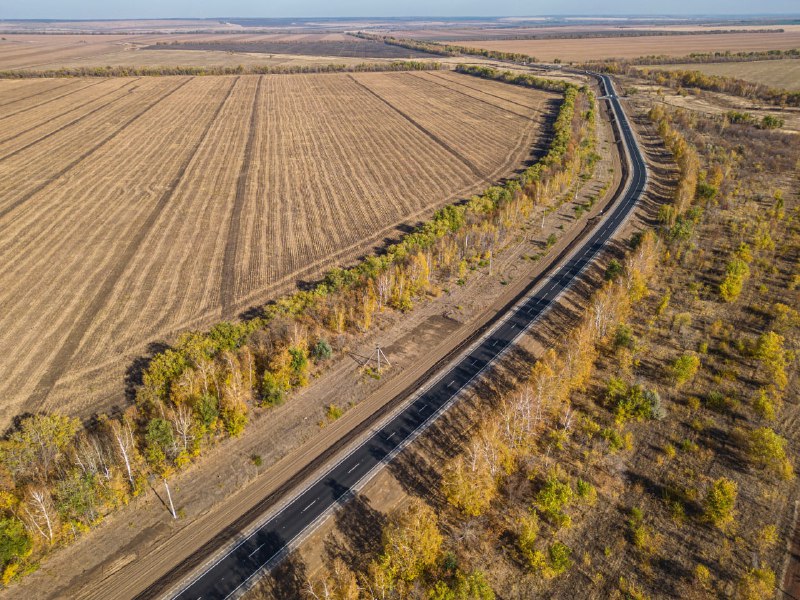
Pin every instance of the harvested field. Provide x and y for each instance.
(551, 31)
(597, 48)
(776, 73)
(132, 209)
(352, 47)
(40, 52)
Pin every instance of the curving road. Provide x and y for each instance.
(232, 573)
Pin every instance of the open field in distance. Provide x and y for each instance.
(40, 52)
(615, 47)
(776, 73)
(546, 30)
(132, 209)
(350, 46)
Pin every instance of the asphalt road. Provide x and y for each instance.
(233, 573)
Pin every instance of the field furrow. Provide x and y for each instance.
(10, 203)
(133, 210)
(476, 170)
(26, 105)
(19, 141)
(171, 280)
(97, 226)
(227, 291)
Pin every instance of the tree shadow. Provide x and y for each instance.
(358, 534)
(135, 372)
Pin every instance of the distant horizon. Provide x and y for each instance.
(565, 16)
(102, 10)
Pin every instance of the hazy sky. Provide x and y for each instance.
(114, 9)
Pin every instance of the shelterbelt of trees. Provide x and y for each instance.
(59, 477)
(694, 57)
(701, 81)
(446, 49)
(718, 83)
(399, 65)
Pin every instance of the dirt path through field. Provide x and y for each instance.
(94, 148)
(63, 357)
(472, 166)
(227, 290)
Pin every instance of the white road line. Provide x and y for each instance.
(310, 505)
(353, 468)
(251, 554)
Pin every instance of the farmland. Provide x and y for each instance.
(579, 49)
(39, 51)
(133, 209)
(349, 46)
(776, 73)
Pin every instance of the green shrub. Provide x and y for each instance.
(322, 350)
(684, 369)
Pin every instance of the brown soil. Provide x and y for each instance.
(352, 47)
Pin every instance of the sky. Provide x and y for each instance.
(130, 9)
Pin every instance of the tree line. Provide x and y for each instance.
(122, 71)
(680, 79)
(618, 65)
(522, 79)
(60, 477)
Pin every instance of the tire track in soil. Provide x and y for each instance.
(470, 165)
(27, 108)
(70, 345)
(20, 201)
(537, 109)
(470, 96)
(58, 87)
(227, 289)
(63, 127)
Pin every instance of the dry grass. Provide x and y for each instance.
(777, 73)
(136, 208)
(596, 48)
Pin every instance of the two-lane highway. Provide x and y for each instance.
(233, 572)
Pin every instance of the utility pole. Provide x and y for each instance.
(169, 496)
(378, 354)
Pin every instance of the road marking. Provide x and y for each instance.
(310, 505)
(251, 554)
(494, 343)
(353, 468)
(449, 384)
(391, 436)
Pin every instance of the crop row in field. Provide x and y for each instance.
(132, 209)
